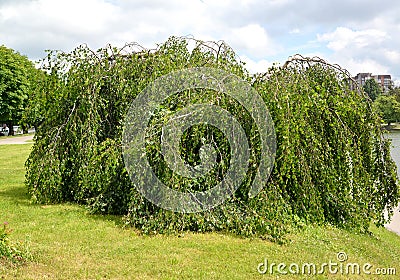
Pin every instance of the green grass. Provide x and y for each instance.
(69, 243)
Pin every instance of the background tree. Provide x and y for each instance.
(34, 111)
(388, 108)
(372, 88)
(16, 77)
(395, 91)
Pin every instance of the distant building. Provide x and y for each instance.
(385, 81)
(361, 78)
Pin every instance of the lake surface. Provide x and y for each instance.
(395, 148)
(395, 153)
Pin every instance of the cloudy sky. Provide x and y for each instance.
(361, 36)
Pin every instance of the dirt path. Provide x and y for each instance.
(15, 140)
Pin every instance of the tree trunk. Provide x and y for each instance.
(11, 132)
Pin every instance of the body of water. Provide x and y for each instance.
(395, 148)
(395, 153)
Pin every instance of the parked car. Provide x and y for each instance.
(17, 129)
(4, 130)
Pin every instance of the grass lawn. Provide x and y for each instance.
(69, 243)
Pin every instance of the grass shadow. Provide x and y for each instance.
(118, 220)
(17, 194)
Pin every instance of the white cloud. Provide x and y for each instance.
(365, 66)
(373, 49)
(343, 38)
(294, 31)
(73, 16)
(357, 36)
(259, 66)
(393, 55)
(253, 40)
(46, 24)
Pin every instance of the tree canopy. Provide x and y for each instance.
(395, 91)
(372, 88)
(388, 106)
(332, 163)
(17, 75)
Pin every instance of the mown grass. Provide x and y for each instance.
(69, 243)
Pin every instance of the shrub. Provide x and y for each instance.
(332, 163)
(12, 253)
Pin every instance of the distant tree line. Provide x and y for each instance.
(18, 77)
(386, 104)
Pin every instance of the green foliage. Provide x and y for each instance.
(17, 74)
(38, 96)
(372, 88)
(395, 91)
(332, 164)
(388, 108)
(10, 252)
